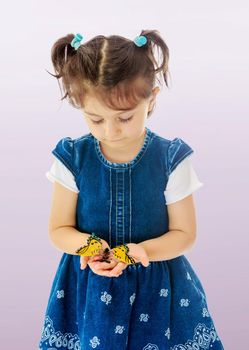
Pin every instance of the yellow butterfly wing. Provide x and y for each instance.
(120, 253)
(92, 248)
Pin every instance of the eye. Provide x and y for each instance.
(121, 120)
(126, 120)
(96, 122)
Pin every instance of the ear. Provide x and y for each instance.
(153, 98)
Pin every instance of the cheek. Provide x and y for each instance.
(96, 130)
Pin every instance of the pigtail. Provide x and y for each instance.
(155, 41)
(77, 68)
(61, 52)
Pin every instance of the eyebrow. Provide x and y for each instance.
(121, 111)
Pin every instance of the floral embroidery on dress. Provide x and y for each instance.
(57, 339)
(106, 298)
(94, 342)
(132, 298)
(164, 292)
(205, 312)
(60, 294)
(184, 302)
(203, 339)
(188, 276)
(144, 317)
(167, 333)
(150, 346)
(119, 329)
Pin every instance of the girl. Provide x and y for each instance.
(122, 210)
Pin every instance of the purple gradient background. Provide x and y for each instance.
(207, 106)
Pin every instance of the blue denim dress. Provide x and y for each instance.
(159, 307)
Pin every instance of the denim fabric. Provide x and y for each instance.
(159, 307)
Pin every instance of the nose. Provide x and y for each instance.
(112, 132)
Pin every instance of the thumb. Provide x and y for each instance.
(83, 262)
(145, 261)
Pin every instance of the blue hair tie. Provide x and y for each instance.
(140, 40)
(76, 42)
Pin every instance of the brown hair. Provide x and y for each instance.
(113, 68)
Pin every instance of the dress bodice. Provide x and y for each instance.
(122, 202)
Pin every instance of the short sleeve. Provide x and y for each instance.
(177, 151)
(60, 173)
(64, 151)
(182, 182)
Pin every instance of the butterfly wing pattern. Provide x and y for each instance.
(120, 252)
(92, 248)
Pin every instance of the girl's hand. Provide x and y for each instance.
(106, 269)
(115, 267)
(137, 252)
(85, 259)
(97, 266)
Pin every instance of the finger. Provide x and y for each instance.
(83, 262)
(104, 265)
(96, 258)
(118, 269)
(100, 271)
(145, 261)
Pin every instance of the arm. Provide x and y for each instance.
(62, 221)
(181, 235)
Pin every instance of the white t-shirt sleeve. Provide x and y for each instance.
(60, 173)
(182, 182)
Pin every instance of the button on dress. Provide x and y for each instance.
(159, 307)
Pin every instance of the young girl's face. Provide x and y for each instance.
(116, 128)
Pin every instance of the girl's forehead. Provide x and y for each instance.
(93, 104)
(125, 96)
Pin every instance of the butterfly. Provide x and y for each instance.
(120, 252)
(92, 248)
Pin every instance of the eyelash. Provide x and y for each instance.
(122, 120)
